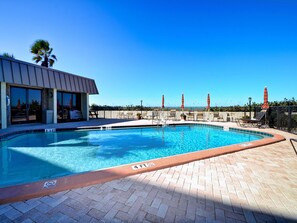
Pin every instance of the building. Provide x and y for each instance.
(32, 93)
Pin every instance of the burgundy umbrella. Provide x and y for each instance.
(183, 102)
(265, 105)
(163, 101)
(208, 102)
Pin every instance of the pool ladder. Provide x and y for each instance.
(160, 121)
(105, 128)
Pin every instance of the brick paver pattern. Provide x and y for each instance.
(256, 185)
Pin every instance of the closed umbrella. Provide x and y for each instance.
(265, 106)
(208, 102)
(163, 101)
(183, 102)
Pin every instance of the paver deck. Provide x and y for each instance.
(255, 185)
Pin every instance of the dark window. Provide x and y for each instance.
(67, 102)
(74, 101)
(59, 106)
(34, 103)
(25, 105)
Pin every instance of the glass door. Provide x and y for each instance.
(25, 105)
(18, 103)
(67, 105)
(59, 106)
(34, 105)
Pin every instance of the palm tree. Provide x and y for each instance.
(7, 55)
(43, 52)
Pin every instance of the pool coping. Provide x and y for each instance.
(54, 185)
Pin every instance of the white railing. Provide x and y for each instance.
(163, 115)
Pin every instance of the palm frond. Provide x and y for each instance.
(37, 59)
(39, 44)
(51, 62)
(43, 51)
(34, 49)
(54, 56)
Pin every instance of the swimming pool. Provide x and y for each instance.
(37, 156)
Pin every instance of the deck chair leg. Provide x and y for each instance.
(295, 140)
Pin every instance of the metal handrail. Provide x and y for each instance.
(295, 140)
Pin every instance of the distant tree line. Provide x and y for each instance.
(7, 55)
(119, 108)
(285, 102)
(235, 108)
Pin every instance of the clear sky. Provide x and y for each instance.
(138, 50)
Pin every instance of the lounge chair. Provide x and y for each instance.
(172, 115)
(128, 115)
(190, 116)
(144, 115)
(253, 122)
(228, 119)
(77, 115)
(93, 114)
(121, 115)
(200, 116)
(293, 140)
(242, 123)
(258, 120)
(155, 115)
(217, 117)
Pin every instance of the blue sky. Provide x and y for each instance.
(139, 50)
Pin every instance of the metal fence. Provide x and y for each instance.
(282, 118)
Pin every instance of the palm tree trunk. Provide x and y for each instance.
(45, 62)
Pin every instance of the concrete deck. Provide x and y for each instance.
(255, 185)
(34, 126)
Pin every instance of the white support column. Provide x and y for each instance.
(55, 106)
(3, 106)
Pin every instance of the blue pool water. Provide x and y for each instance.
(35, 156)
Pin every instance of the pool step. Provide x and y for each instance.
(226, 128)
(50, 130)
